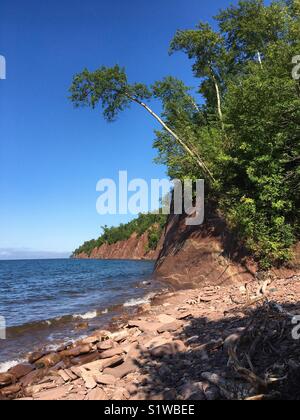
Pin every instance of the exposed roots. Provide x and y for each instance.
(264, 352)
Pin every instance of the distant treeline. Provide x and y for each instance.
(153, 223)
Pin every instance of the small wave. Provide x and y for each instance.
(56, 346)
(5, 366)
(105, 312)
(38, 325)
(146, 283)
(136, 302)
(88, 315)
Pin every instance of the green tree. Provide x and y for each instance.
(250, 27)
(244, 135)
(259, 158)
(207, 48)
(109, 87)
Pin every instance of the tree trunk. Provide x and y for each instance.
(190, 152)
(219, 104)
(259, 59)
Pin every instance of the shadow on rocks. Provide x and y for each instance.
(250, 355)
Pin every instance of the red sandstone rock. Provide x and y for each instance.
(145, 326)
(199, 259)
(76, 351)
(97, 394)
(120, 394)
(156, 342)
(103, 379)
(64, 375)
(90, 340)
(120, 336)
(31, 377)
(123, 370)
(6, 379)
(89, 380)
(33, 357)
(135, 248)
(110, 353)
(10, 390)
(165, 319)
(105, 345)
(86, 358)
(21, 370)
(53, 394)
(48, 361)
(172, 327)
(168, 349)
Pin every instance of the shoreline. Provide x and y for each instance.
(74, 327)
(46, 317)
(177, 348)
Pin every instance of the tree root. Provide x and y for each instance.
(254, 343)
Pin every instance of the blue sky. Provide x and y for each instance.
(51, 155)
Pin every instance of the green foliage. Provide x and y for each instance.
(107, 86)
(151, 222)
(155, 232)
(153, 240)
(251, 27)
(246, 128)
(204, 45)
(255, 159)
(262, 110)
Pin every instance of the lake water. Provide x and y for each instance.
(45, 302)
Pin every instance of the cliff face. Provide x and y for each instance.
(192, 256)
(135, 248)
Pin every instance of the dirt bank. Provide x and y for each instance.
(193, 255)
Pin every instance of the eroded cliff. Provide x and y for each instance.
(192, 256)
(135, 248)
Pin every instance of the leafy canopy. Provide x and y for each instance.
(243, 68)
(109, 88)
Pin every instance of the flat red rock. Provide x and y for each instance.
(111, 353)
(97, 394)
(21, 370)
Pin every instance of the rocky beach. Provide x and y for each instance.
(222, 330)
(221, 341)
(156, 258)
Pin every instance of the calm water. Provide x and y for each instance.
(47, 301)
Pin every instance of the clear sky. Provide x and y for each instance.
(51, 155)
